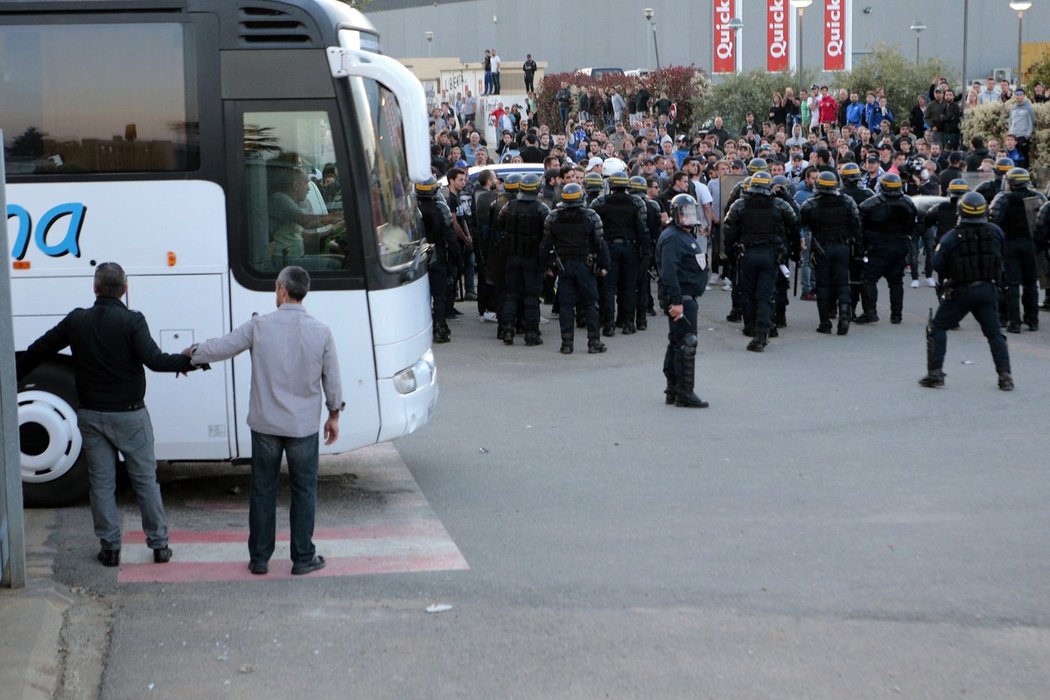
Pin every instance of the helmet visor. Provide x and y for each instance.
(687, 215)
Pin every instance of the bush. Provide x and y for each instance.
(900, 78)
(680, 82)
(747, 92)
(992, 120)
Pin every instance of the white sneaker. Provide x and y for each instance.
(544, 320)
(930, 282)
(489, 317)
(727, 285)
(915, 284)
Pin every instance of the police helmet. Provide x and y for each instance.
(851, 172)
(1003, 165)
(827, 182)
(427, 189)
(757, 165)
(1018, 177)
(529, 186)
(782, 182)
(958, 187)
(612, 166)
(619, 181)
(593, 182)
(684, 211)
(572, 195)
(638, 184)
(973, 207)
(511, 183)
(891, 185)
(761, 182)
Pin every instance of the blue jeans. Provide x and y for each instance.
(130, 432)
(808, 283)
(302, 454)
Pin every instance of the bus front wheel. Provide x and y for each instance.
(54, 469)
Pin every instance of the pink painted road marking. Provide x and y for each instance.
(404, 536)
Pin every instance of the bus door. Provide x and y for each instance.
(287, 207)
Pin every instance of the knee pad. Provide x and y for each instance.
(689, 344)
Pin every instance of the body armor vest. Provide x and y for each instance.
(434, 222)
(989, 188)
(1015, 221)
(760, 222)
(571, 232)
(978, 257)
(946, 215)
(889, 217)
(523, 228)
(857, 193)
(619, 214)
(829, 217)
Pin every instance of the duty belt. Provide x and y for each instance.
(122, 408)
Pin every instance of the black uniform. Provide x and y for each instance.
(645, 290)
(682, 264)
(626, 234)
(969, 261)
(989, 188)
(521, 222)
(889, 222)
(834, 221)
(572, 235)
(794, 252)
(762, 224)
(1009, 211)
(858, 194)
(437, 227)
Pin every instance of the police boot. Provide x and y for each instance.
(533, 338)
(640, 321)
(780, 318)
(628, 328)
(1006, 382)
(566, 343)
(758, 343)
(935, 378)
(735, 315)
(832, 312)
(825, 321)
(774, 332)
(844, 317)
(867, 300)
(595, 346)
(685, 397)
(508, 335)
(670, 392)
(442, 334)
(609, 330)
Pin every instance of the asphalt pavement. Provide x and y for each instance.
(826, 529)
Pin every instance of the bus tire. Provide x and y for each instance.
(54, 468)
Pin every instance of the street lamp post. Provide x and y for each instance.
(918, 27)
(649, 14)
(1020, 6)
(430, 44)
(736, 24)
(801, 6)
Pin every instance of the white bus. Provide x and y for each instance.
(160, 134)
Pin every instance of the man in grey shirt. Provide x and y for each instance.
(293, 359)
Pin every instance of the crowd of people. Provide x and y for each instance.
(613, 144)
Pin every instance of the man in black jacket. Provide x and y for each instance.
(110, 345)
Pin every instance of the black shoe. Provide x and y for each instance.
(652, 312)
(609, 331)
(442, 337)
(1033, 325)
(566, 347)
(162, 555)
(749, 331)
(595, 346)
(1013, 327)
(669, 395)
(1045, 306)
(258, 567)
(867, 318)
(934, 378)
(773, 332)
(895, 319)
(314, 564)
(843, 328)
(690, 400)
(824, 327)
(780, 321)
(508, 336)
(453, 315)
(533, 338)
(629, 329)
(109, 557)
(735, 316)
(641, 323)
(757, 345)
(1006, 382)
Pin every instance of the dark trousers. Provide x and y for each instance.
(758, 274)
(832, 275)
(302, 454)
(1020, 280)
(982, 300)
(488, 83)
(529, 84)
(621, 282)
(438, 276)
(522, 288)
(644, 288)
(576, 285)
(926, 243)
(674, 356)
(887, 261)
(495, 82)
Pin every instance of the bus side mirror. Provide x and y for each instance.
(407, 89)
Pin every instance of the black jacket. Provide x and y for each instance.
(110, 345)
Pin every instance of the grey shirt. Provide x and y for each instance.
(293, 358)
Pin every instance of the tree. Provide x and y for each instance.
(900, 78)
(1038, 72)
(28, 144)
(741, 93)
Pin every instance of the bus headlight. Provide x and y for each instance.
(420, 374)
(405, 381)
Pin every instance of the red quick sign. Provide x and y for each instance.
(777, 36)
(724, 37)
(835, 35)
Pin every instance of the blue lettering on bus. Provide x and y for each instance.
(72, 212)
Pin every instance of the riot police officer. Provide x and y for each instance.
(572, 240)
(639, 187)
(761, 223)
(1015, 210)
(989, 188)
(593, 186)
(626, 234)
(834, 222)
(521, 222)
(944, 215)
(889, 220)
(782, 189)
(969, 262)
(437, 228)
(852, 187)
(682, 264)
